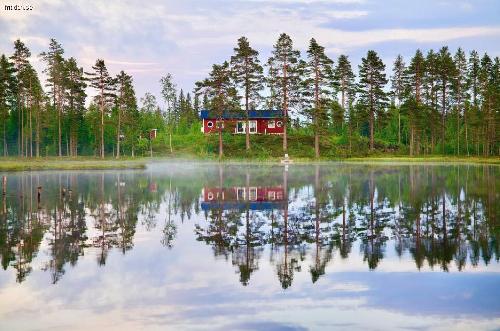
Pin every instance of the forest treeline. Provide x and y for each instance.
(436, 102)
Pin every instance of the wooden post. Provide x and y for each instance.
(38, 193)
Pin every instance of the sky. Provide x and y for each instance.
(149, 38)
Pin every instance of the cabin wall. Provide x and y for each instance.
(275, 193)
(230, 126)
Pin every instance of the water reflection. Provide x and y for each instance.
(443, 217)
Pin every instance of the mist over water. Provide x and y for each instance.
(244, 247)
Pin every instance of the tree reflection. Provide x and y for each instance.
(441, 217)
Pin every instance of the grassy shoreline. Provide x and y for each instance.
(85, 163)
(54, 163)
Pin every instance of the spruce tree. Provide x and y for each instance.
(372, 81)
(248, 75)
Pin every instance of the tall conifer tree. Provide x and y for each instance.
(372, 81)
(248, 75)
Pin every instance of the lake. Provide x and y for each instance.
(252, 247)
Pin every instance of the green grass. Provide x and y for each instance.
(80, 163)
(265, 149)
(427, 159)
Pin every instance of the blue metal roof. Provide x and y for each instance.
(233, 205)
(252, 114)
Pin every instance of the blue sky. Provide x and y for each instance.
(149, 38)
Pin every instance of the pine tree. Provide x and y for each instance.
(248, 75)
(460, 95)
(34, 95)
(20, 59)
(372, 80)
(486, 89)
(473, 74)
(415, 82)
(346, 86)
(125, 101)
(74, 87)
(285, 77)
(318, 83)
(446, 73)
(221, 93)
(398, 85)
(7, 96)
(55, 72)
(105, 87)
(430, 97)
(344, 79)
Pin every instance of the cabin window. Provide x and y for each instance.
(271, 124)
(210, 124)
(220, 125)
(240, 127)
(240, 193)
(252, 126)
(271, 195)
(252, 193)
(210, 196)
(279, 124)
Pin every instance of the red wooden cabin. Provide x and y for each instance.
(259, 122)
(254, 198)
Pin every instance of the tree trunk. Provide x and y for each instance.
(38, 130)
(31, 132)
(412, 139)
(372, 119)
(170, 141)
(285, 108)
(220, 144)
(247, 93)
(102, 122)
(4, 138)
(118, 132)
(59, 126)
(316, 110)
(399, 125)
(442, 117)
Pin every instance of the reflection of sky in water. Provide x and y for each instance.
(186, 287)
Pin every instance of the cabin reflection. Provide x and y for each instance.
(242, 198)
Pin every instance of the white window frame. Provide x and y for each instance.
(252, 125)
(242, 126)
(219, 124)
(252, 193)
(271, 124)
(241, 193)
(210, 124)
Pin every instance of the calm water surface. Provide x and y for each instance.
(244, 247)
